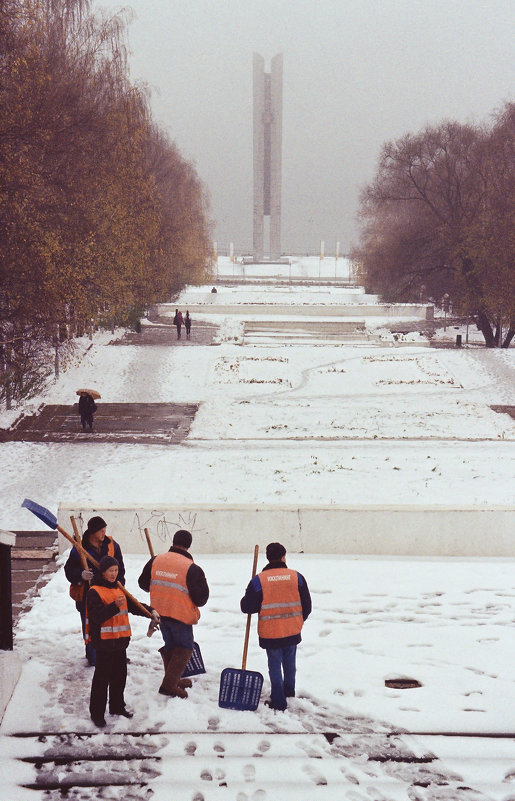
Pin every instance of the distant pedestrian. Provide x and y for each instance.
(281, 598)
(109, 631)
(187, 324)
(96, 542)
(177, 588)
(178, 322)
(87, 408)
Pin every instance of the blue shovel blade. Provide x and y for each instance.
(196, 664)
(240, 689)
(45, 515)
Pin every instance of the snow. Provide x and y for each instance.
(338, 423)
(447, 623)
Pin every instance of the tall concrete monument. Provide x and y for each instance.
(268, 125)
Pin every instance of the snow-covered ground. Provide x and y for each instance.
(332, 424)
(319, 425)
(446, 623)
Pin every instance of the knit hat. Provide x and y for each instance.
(106, 562)
(95, 524)
(275, 551)
(182, 538)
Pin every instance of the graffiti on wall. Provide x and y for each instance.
(162, 526)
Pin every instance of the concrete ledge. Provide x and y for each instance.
(372, 530)
(246, 310)
(10, 670)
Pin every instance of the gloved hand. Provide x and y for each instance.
(154, 622)
(87, 575)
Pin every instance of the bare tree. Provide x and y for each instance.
(431, 223)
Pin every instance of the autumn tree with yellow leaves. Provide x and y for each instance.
(100, 215)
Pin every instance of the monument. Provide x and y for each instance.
(267, 123)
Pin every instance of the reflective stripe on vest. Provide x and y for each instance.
(169, 590)
(281, 610)
(116, 626)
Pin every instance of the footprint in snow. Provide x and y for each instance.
(262, 748)
(190, 748)
(213, 723)
(219, 748)
(349, 776)
(249, 773)
(206, 776)
(316, 777)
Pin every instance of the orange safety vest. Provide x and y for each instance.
(78, 591)
(168, 589)
(281, 610)
(116, 626)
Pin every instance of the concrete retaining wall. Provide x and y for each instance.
(243, 311)
(373, 530)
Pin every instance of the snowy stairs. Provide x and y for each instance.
(299, 332)
(240, 766)
(32, 564)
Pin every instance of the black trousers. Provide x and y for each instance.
(110, 675)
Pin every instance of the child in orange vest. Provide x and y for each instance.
(108, 630)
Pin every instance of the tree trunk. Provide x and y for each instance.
(509, 336)
(484, 326)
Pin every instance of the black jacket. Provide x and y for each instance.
(253, 598)
(87, 405)
(195, 578)
(98, 613)
(73, 566)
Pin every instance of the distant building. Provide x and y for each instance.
(268, 123)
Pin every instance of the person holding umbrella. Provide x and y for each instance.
(282, 600)
(87, 407)
(96, 542)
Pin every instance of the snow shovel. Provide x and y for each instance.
(196, 664)
(50, 520)
(241, 689)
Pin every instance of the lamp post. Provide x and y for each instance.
(445, 309)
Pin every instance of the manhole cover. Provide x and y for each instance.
(402, 684)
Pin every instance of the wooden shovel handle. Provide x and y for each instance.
(83, 560)
(247, 630)
(94, 562)
(149, 543)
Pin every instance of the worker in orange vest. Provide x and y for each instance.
(98, 544)
(109, 631)
(177, 588)
(281, 598)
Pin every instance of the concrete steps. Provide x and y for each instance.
(210, 766)
(304, 331)
(32, 564)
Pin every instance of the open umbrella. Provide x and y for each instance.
(93, 392)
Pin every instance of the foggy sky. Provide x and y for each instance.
(357, 73)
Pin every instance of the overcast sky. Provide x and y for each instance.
(356, 74)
